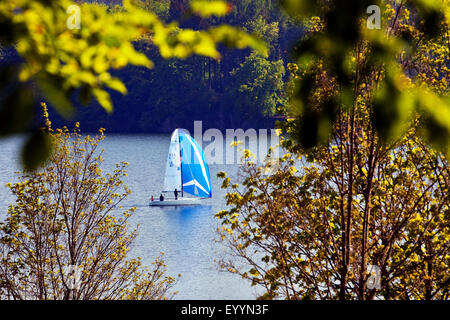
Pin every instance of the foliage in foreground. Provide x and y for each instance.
(363, 184)
(64, 237)
(402, 65)
(61, 59)
(239, 90)
(312, 229)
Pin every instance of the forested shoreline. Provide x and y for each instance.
(241, 90)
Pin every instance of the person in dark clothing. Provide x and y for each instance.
(176, 194)
(161, 197)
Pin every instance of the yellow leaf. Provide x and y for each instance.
(210, 8)
(103, 98)
(116, 84)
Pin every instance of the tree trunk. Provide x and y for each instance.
(367, 211)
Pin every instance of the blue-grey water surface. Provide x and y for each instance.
(186, 235)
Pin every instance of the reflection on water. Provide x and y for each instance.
(186, 235)
(186, 216)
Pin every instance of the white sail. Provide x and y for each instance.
(172, 179)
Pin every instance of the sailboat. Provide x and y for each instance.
(186, 171)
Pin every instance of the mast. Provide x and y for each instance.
(181, 164)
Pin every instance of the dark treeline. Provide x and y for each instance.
(241, 90)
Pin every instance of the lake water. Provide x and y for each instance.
(186, 235)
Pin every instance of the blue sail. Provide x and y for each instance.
(194, 168)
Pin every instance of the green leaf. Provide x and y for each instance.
(16, 111)
(36, 150)
(234, 37)
(435, 112)
(85, 95)
(302, 8)
(111, 41)
(58, 97)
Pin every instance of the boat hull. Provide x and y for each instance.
(173, 202)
